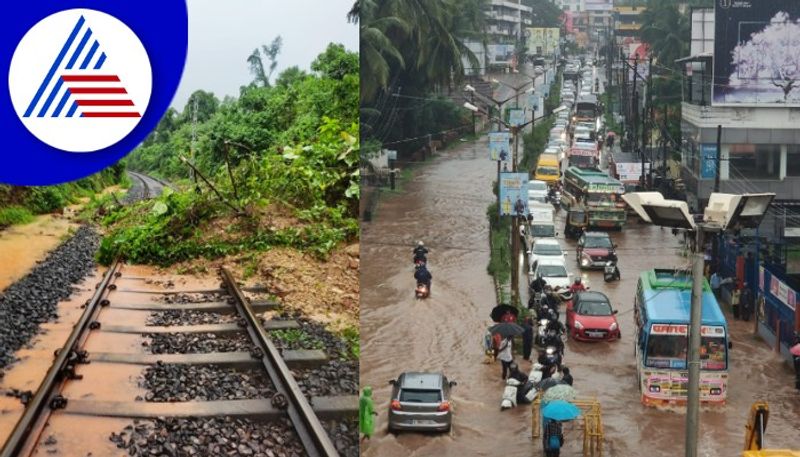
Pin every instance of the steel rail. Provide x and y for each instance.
(23, 439)
(309, 429)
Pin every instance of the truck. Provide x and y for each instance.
(547, 169)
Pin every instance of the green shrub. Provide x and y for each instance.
(14, 215)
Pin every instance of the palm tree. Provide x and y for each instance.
(378, 52)
(666, 31)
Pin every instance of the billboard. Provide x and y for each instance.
(500, 53)
(499, 146)
(708, 161)
(516, 117)
(599, 5)
(543, 41)
(757, 53)
(514, 194)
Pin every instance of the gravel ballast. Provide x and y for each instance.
(224, 436)
(176, 383)
(197, 343)
(32, 300)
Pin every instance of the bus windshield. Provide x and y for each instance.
(547, 171)
(712, 353)
(601, 199)
(585, 110)
(666, 351)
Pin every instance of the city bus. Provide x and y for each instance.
(586, 109)
(599, 193)
(661, 313)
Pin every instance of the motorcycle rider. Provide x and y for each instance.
(423, 276)
(419, 252)
(537, 285)
(577, 286)
(553, 333)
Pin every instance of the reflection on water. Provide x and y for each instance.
(444, 205)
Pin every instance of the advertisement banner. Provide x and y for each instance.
(500, 53)
(516, 117)
(599, 5)
(708, 161)
(514, 194)
(757, 53)
(499, 146)
(631, 171)
(782, 292)
(543, 41)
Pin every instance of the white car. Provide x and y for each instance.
(537, 191)
(545, 249)
(554, 272)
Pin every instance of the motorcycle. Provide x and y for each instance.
(541, 332)
(610, 272)
(552, 356)
(555, 199)
(420, 261)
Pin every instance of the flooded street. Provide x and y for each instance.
(444, 204)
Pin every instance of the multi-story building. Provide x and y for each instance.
(506, 23)
(627, 22)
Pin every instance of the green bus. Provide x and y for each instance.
(598, 192)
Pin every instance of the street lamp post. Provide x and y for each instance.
(515, 129)
(723, 212)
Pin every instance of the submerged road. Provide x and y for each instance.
(444, 204)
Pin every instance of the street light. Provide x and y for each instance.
(723, 212)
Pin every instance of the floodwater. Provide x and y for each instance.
(444, 204)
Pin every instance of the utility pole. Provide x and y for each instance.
(645, 128)
(514, 230)
(717, 158)
(664, 141)
(693, 395)
(193, 174)
(635, 104)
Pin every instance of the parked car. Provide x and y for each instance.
(554, 272)
(590, 317)
(544, 249)
(420, 402)
(594, 250)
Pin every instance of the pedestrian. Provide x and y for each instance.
(366, 409)
(566, 376)
(552, 437)
(527, 338)
(736, 298)
(505, 354)
(746, 302)
(715, 284)
(796, 362)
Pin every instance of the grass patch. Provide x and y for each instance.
(15, 215)
(297, 338)
(351, 336)
(500, 259)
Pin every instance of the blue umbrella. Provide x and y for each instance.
(560, 410)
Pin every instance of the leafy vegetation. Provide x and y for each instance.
(13, 215)
(411, 50)
(500, 259)
(17, 203)
(282, 160)
(295, 337)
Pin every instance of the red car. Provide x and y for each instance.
(591, 318)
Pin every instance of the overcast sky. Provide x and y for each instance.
(222, 34)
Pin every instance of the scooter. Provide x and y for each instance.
(610, 272)
(422, 291)
(541, 332)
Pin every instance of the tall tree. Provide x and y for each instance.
(256, 61)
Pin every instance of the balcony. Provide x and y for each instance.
(741, 117)
(514, 6)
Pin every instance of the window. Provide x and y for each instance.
(552, 271)
(754, 161)
(666, 351)
(420, 396)
(597, 242)
(594, 308)
(547, 171)
(793, 160)
(546, 249)
(713, 353)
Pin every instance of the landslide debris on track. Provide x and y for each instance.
(32, 300)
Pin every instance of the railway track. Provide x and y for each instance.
(270, 394)
(151, 187)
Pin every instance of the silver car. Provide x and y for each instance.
(421, 402)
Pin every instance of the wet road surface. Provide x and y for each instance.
(444, 204)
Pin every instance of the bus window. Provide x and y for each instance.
(666, 351)
(713, 351)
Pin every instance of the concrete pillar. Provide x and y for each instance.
(724, 166)
(784, 157)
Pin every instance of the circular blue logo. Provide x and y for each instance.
(87, 82)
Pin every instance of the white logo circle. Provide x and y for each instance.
(80, 80)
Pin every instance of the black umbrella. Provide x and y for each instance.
(547, 383)
(506, 329)
(500, 310)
